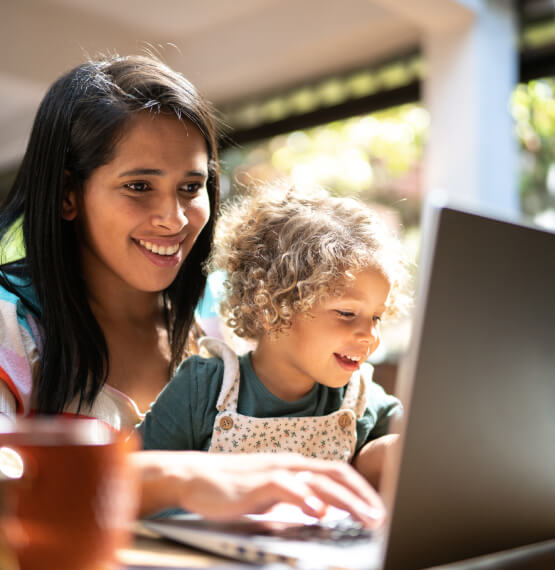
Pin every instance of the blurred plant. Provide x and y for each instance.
(533, 109)
(376, 157)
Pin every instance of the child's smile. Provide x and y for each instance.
(350, 363)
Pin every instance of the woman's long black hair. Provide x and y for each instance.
(76, 129)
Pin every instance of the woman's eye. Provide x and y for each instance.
(191, 187)
(137, 186)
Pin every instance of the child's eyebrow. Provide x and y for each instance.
(351, 298)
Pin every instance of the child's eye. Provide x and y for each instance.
(137, 186)
(377, 319)
(345, 314)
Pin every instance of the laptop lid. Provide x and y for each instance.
(477, 472)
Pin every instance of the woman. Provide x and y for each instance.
(118, 190)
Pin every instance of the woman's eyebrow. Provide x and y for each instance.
(158, 172)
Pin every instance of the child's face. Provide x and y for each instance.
(141, 213)
(342, 332)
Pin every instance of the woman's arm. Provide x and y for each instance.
(223, 486)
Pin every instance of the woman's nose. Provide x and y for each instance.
(170, 214)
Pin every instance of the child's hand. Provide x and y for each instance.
(370, 459)
(224, 486)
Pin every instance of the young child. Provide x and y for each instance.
(310, 278)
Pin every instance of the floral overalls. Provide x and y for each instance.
(327, 437)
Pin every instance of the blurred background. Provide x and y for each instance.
(385, 99)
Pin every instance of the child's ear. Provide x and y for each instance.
(69, 203)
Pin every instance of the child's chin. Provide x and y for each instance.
(338, 382)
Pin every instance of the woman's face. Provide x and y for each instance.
(141, 213)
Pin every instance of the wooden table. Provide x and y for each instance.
(149, 552)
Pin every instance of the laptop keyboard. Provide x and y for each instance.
(341, 543)
(337, 532)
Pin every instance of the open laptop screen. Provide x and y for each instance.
(477, 473)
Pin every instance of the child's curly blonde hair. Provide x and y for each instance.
(284, 250)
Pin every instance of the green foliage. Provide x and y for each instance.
(378, 156)
(533, 109)
(375, 156)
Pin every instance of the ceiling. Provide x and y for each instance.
(229, 49)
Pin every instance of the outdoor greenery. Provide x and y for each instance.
(378, 156)
(533, 108)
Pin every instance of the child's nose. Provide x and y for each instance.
(368, 333)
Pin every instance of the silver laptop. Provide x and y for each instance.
(477, 469)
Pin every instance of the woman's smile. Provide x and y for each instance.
(161, 255)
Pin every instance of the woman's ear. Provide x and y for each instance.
(69, 203)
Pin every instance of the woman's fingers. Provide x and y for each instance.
(338, 485)
(260, 492)
(342, 473)
(371, 513)
(315, 482)
(235, 493)
(313, 492)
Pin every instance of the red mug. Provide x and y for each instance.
(69, 496)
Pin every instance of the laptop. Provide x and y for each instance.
(476, 468)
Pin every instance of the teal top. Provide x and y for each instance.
(183, 415)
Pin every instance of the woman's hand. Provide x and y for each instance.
(224, 486)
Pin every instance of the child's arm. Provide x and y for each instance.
(183, 413)
(370, 459)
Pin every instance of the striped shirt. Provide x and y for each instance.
(20, 351)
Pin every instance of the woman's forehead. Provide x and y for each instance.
(144, 125)
(162, 138)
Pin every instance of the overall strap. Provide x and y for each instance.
(355, 395)
(229, 394)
